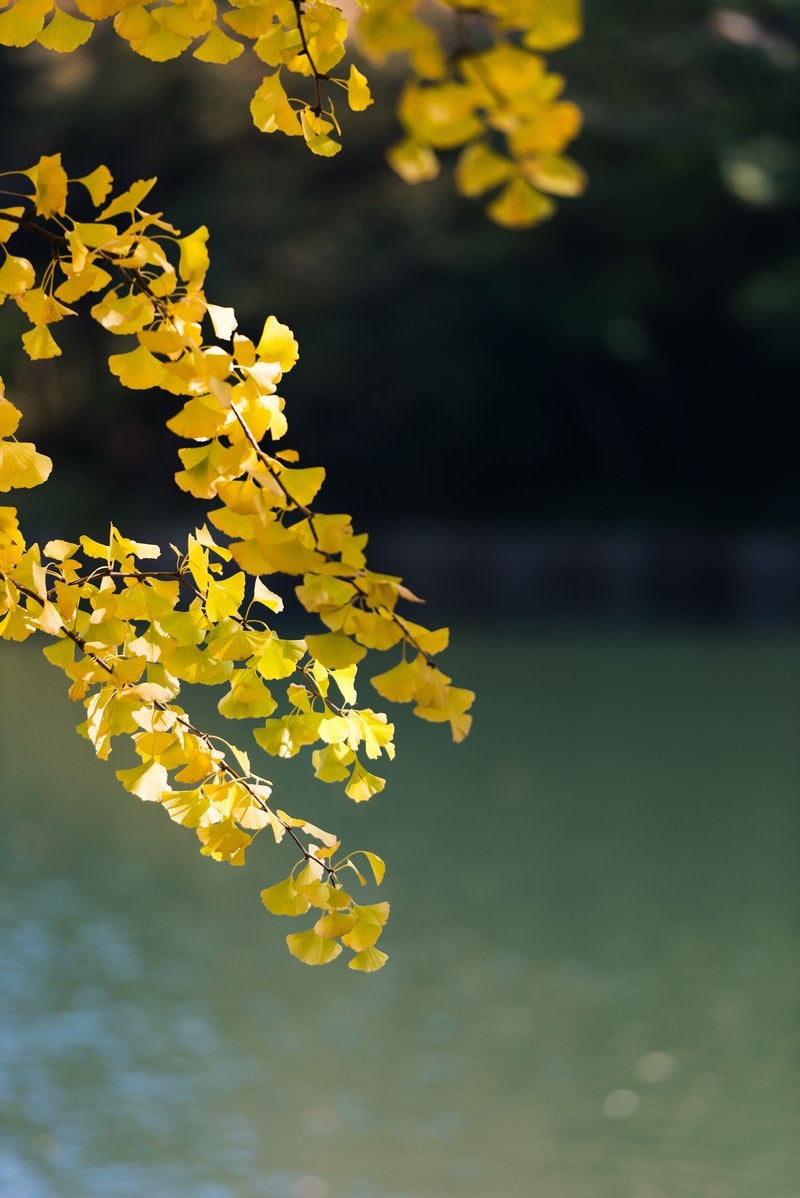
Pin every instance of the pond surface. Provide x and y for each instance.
(592, 990)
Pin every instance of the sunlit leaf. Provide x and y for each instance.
(369, 960)
(312, 949)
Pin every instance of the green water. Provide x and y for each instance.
(592, 990)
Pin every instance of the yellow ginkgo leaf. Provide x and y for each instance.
(223, 319)
(400, 684)
(369, 960)
(312, 949)
(218, 47)
(479, 168)
(554, 24)
(64, 33)
(16, 275)
(10, 225)
(335, 924)
(413, 161)
(127, 201)
(223, 598)
(10, 415)
(283, 899)
(148, 781)
(334, 650)
(363, 785)
(147, 36)
(248, 698)
(50, 181)
(359, 96)
(556, 174)
(40, 344)
(98, 184)
(442, 115)
(137, 369)
(194, 261)
(277, 344)
(22, 21)
(271, 110)
(21, 466)
(519, 206)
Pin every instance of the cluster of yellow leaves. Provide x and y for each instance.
(290, 37)
(128, 637)
(491, 97)
(477, 79)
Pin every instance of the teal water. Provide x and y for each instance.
(592, 990)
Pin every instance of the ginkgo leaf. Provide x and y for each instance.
(479, 168)
(148, 781)
(262, 594)
(363, 785)
(284, 899)
(345, 680)
(335, 924)
(556, 174)
(21, 466)
(138, 369)
(368, 960)
(442, 115)
(64, 33)
(377, 865)
(278, 658)
(374, 730)
(455, 703)
(123, 547)
(128, 201)
(413, 161)
(147, 36)
(218, 47)
(312, 949)
(9, 415)
(362, 935)
(50, 183)
(20, 24)
(186, 807)
(317, 131)
(248, 698)
(370, 922)
(400, 684)
(8, 224)
(285, 737)
(98, 183)
(16, 275)
(50, 620)
(194, 260)
(301, 486)
(223, 319)
(41, 307)
(324, 895)
(331, 763)
(223, 598)
(359, 96)
(271, 110)
(91, 278)
(519, 205)
(277, 344)
(334, 650)
(555, 24)
(124, 314)
(224, 841)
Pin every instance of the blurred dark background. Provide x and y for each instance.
(595, 419)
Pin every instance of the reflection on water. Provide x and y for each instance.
(592, 989)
